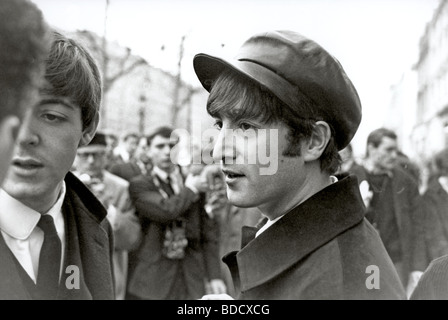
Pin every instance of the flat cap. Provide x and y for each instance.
(286, 63)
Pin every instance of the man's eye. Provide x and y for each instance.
(52, 117)
(245, 126)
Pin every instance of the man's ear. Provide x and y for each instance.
(370, 149)
(89, 132)
(318, 141)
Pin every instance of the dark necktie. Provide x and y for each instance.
(170, 187)
(49, 260)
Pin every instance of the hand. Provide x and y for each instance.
(196, 183)
(216, 286)
(223, 296)
(210, 172)
(217, 200)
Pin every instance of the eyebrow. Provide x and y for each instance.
(57, 100)
(161, 144)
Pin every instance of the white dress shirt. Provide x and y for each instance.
(18, 224)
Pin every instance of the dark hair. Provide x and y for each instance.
(231, 90)
(164, 131)
(24, 45)
(441, 162)
(73, 73)
(131, 135)
(376, 137)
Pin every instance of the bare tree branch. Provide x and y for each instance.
(110, 80)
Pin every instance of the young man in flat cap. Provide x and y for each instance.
(315, 242)
(24, 43)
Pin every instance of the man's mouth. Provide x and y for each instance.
(27, 164)
(231, 174)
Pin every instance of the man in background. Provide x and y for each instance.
(396, 207)
(113, 192)
(126, 148)
(139, 164)
(179, 254)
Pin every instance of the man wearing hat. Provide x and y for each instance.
(113, 192)
(314, 242)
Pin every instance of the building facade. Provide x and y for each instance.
(139, 97)
(430, 133)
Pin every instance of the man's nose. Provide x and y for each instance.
(224, 148)
(28, 131)
(90, 158)
(167, 149)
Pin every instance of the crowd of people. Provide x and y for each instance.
(85, 214)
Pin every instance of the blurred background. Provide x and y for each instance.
(395, 52)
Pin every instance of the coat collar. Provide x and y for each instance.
(93, 206)
(305, 228)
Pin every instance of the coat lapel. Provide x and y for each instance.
(95, 245)
(299, 232)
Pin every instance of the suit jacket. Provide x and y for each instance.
(409, 214)
(321, 249)
(436, 221)
(89, 247)
(125, 226)
(126, 170)
(154, 275)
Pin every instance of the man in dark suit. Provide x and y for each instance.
(56, 242)
(396, 207)
(284, 93)
(179, 254)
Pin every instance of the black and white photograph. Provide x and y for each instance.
(223, 155)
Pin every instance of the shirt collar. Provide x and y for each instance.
(18, 220)
(163, 175)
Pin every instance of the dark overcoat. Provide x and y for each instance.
(409, 213)
(322, 249)
(436, 221)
